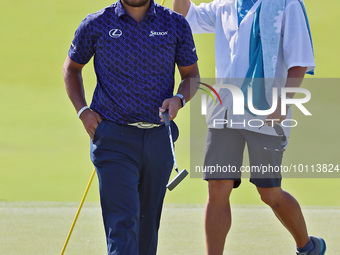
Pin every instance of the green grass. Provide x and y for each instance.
(44, 150)
(43, 146)
(41, 228)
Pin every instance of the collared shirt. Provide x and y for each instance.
(134, 61)
(232, 47)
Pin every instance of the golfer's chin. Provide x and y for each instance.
(136, 3)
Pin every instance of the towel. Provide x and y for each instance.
(263, 51)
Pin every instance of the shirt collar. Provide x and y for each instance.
(152, 9)
(120, 11)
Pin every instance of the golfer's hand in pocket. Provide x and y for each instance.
(90, 121)
(172, 104)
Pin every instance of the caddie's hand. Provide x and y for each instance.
(90, 121)
(173, 105)
(276, 116)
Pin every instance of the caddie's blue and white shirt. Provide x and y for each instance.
(232, 50)
(134, 61)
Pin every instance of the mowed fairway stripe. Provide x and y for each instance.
(41, 228)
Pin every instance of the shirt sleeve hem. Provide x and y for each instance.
(187, 63)
(310, 66)
(77, 61)
(191, 11)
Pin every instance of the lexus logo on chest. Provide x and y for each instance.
(115, 33)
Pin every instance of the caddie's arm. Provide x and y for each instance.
(72, 73)
(181, 6)
(175, 103)
(294, 79)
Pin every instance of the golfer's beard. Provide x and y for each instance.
(136, 3)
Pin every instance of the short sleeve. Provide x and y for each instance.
(202, 18)
(297, 42)
(82, 47)
(185, 48)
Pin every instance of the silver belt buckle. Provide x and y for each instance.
(145, 125)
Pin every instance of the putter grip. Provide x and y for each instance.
(166, 118)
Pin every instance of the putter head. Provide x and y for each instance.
(178, 178)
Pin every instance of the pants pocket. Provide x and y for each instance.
(97, 131)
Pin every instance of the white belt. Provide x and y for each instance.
(145, 125)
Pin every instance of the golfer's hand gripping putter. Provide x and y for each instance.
(182, 174)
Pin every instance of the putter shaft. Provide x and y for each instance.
(167, 125)
(172, 148)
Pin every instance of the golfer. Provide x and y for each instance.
(254, 39)
(135, 44)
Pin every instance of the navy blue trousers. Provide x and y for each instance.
(133, 167)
